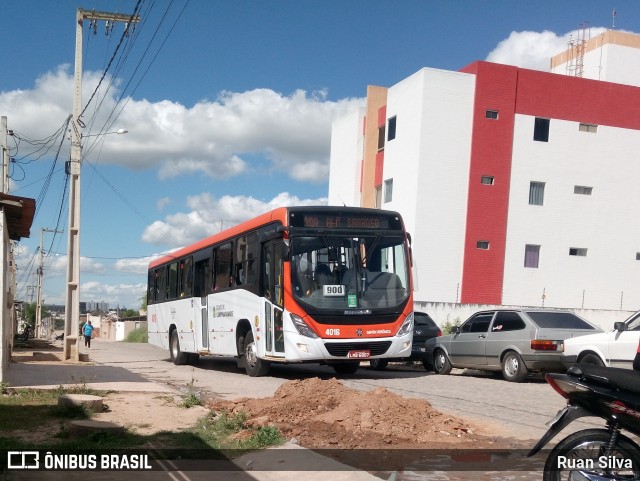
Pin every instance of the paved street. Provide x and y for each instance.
(510, 410)
(518, 410)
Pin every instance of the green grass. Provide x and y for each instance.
(217, 431)
(139, 335)
(30, 409)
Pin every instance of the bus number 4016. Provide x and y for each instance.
(332, 332)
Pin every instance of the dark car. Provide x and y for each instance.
(515, 342)
(423, 328)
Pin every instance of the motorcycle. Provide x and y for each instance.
(26, 333)
(602, 454)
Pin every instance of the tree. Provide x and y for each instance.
(29, 313)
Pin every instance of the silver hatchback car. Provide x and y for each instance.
(515, 342)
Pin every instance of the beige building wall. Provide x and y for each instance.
(376, 99)
(609, 57)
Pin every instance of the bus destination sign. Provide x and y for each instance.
(337, 221)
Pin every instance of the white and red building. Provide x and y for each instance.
(519, 187)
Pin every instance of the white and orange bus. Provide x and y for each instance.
(297, 284)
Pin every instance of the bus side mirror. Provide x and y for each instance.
(285, 241)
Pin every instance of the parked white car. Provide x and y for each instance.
(613, 349)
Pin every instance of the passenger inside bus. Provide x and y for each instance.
(322, 275)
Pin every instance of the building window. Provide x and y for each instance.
(487, 180)
(484, 245)
(388, 190)
(536, 193)
(578, 251)
(391, 133)
(582, 189)
(381, 137)
(491, 114)
(638, 256)
(588, 128)
(531, 256)
(541, 130)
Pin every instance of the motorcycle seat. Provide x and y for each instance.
(613, 377)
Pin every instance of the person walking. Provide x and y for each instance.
(88, 332)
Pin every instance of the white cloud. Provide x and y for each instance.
(214, 138)
(162, 203)
(135, 265)
(208, 215)
(125, 295)
(534, 49)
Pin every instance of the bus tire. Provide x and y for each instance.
(378, 364)
(345, 367)
(177, 356)
(254, 366)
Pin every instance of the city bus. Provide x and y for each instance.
(327, 285)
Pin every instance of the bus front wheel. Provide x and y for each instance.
(254, 366)
(177, 356)
(345, 367)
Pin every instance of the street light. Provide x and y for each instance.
(119, 132)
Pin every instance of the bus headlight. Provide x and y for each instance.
(407, 326)
(302, 327)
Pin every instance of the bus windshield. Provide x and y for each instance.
(345, 272)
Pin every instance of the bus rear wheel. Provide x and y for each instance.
(254, 366)
(177, 356)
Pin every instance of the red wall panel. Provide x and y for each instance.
(491, 146)
(511, 91)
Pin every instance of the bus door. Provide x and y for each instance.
(200, 316)
(273, 290)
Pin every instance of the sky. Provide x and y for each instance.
(227, 105)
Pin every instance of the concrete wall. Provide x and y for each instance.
(6, 327)
(346, 159)
(452, 313)
(427, 162)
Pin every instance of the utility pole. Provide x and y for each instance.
(40, 274)
(4, 176)
(72, 298)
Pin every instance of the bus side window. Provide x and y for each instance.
(186, 277)
(172, 285)
(223, 263)
(160, 284)
(151, 287)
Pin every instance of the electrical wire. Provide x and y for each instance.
(124, 35)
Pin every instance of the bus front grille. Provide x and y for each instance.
(340, 349)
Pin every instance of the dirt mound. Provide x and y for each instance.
(327, 414)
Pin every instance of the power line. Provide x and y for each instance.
(104, 73)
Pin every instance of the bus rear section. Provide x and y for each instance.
(313, 284)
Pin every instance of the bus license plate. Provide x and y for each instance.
(359, 354)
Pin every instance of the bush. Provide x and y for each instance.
(448, 326)
(139, 335)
